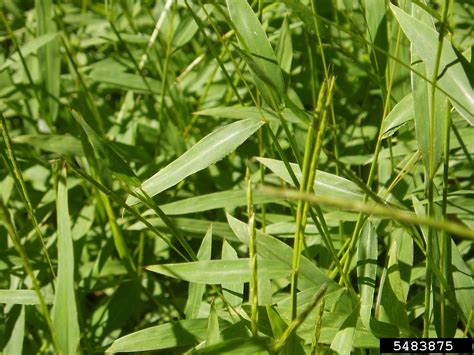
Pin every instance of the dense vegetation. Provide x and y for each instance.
(209, 176)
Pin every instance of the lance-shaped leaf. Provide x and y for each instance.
(401, 113)
(196, 291)
(65, 319)
(254, 42)
(367, 271)
(221, 271)
(207, 151)
(453, 79)
(23, 297)
(325, 184)
(29, 48)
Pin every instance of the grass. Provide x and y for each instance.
(218, 176)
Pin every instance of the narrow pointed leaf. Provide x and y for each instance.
(232, 291)
(207, 151)
(367, 271)
(453, 78)
(221, 271)
(196, 291)
(65, 318)
(254, 43)
(401, 113)
(23, 297)
(29, 48)
(326, 184)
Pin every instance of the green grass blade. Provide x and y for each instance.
(23, 297)
(14, 331)
(164, 336)
(367, 253)
(65, 318)
(49, 57)
(225, 199)
(255, 43)
(284, 48)
(213, 335)
(221, 271)
(401, 113)
(344, 340)
(125, 81)
(454, 78)
(272, 249)
(63, 144)
(196, 291)
(207, 151)
(233, 291)
(28, 48)
(240, 113)
(393, 293)
(326, 184)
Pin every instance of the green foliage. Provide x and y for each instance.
(234, 176)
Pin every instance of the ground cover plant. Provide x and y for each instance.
(238, 176)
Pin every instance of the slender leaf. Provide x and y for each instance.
(196, 291)
(367, 271)
(29, 48)
(221, 271)
(453, 79)
(232, 291)
(255, 43)
(207, 151)
(325, 184)
(23, 297)
(65, 318)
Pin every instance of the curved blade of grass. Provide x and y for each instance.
(126, 81)
(240, 113)
(29, 48)
(254, 345)
(255, 43)
(23, 297)
(453, 78)
(367, 271)
(284, 49)
(65, 318)
(225, 199)
(207, 151)
(221, 271)
(14, 333)
(164, 336)
(392, 308)
(54, 143)
(49, 57)
(196, 291)
(401, 113)
(325, 184)
(106, 154)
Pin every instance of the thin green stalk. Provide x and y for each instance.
(253, 257)
(295, 324)
(429, 175)
(373, 209)
(373, 166)
(20, 182)
(317, 328)
(5, 216)
(446, 252)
